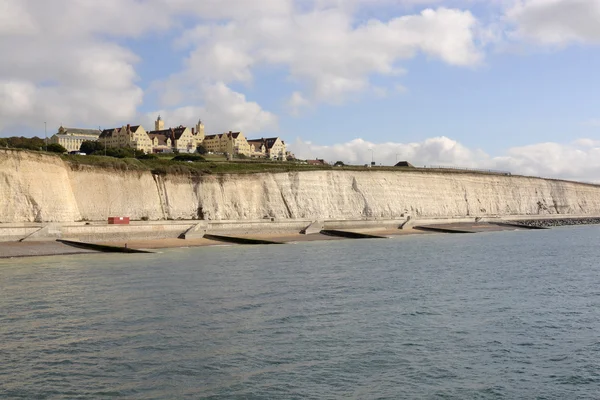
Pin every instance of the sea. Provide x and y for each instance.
(498, 315)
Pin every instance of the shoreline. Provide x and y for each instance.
(383, 229)
(10, 250)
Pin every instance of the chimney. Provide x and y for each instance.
(193, 133)
(128, 126)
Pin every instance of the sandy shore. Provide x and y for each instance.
(34, 249)
(283, 238)
(47, 248)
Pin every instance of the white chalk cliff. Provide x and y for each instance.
(38, 187)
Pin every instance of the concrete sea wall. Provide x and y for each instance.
(42, 188)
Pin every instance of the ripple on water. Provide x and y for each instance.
(443, 317)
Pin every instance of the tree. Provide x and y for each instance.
(56, 148)
(34, 143)
(90, 147)
(201, 149)
(339, 164)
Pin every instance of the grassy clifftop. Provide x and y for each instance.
(204, 167)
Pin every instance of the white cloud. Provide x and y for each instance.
(438, 150)
(58, 68)
(65, 61)
(579, 160)
(223, 110)
(14, 18)
(297, 103)
(323, 48)
(594, 122)
(557, 22)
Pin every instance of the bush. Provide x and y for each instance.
(33, 143)
(56, 148)
(120, 152)
(92, 147)
(148, 157)
(339, 164)
(188, 157)
(201, 149)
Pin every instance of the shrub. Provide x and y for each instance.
(201, 149)
(148, 157)
(120, 152)
(56, 148)
(188, 157)
(15, 142)
(90, 147)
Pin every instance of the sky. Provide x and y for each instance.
(509, 85)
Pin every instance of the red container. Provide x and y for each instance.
(118, 220)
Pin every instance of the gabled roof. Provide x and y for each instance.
(255, 142)
(108, 132)
(162, 139)
(267, 142)
(173, 133)
(270, 142)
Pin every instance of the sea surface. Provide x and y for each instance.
(503, 315)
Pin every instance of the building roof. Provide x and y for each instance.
(268, 142)
(233, 135)
(78, 137)
(255, 142)
(78, 131)
(404, 164)
(108, 132)
(162, 139)
(173, 133)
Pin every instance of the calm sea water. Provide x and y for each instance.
(511, 315)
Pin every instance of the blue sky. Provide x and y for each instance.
(508, 84)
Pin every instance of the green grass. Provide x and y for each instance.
(218, 165)
(164, 165)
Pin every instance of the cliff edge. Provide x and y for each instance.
(43, 188)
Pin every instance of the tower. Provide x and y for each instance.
(199, 132)
(159, 124)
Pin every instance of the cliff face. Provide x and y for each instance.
(35, 187)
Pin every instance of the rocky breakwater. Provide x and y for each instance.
(555, 222)
(40, 188)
